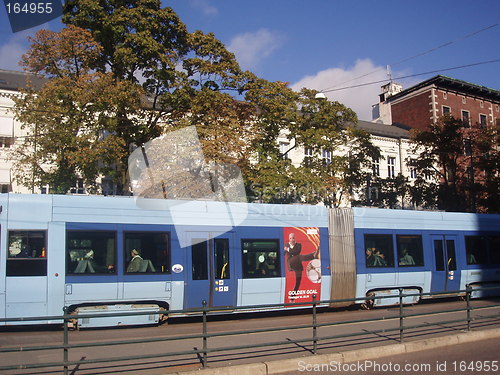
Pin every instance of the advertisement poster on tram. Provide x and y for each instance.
(303, 264)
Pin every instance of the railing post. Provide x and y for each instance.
(204, 358)
(467, 299)
(401, 316)
(314, 326)
(65, 339)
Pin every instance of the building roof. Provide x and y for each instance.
(14, 80)
(383, 130)
(452, 84)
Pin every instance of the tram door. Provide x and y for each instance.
(445, 276)
(26, 281)
(210, 271)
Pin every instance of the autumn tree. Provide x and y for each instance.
(153, 73)
(125, 72)
(465, 161)
(70, 133)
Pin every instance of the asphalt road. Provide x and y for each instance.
(358, 331)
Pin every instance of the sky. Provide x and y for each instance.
(333, 45)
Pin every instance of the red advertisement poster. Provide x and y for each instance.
(303, 264)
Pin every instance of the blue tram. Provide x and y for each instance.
(96, 254)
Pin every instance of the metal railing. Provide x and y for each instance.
(313, 339)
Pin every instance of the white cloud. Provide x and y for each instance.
(205, 7)
(251, 48)
(360, 99)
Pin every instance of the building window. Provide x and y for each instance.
(308, 154)
(376, 167)
(445, 95)
(464, 100)
(413, 170)
(108, 187)
(391, 164)
(446, 110)
(483, 119)
(6, 142)
(468, 147)
(44, 189)
(78, 187)
(260, 259)
(5, 188)
(470, 174)
(284, 148)
(466, 117)
(327, 157)
(481, 103)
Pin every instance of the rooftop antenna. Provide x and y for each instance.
(389, 73)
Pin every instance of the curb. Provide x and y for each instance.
(284, 366)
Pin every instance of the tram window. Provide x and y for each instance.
(495, 250)
(379, 250)
(221, 252)
(476, 250)
(27, 253)
(260, 259)
(199, 259)
(452, 259)
(410, 251)
(438, 255)
(90, 252)
(147, 252)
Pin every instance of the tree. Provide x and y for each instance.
(339, 154)
(423, 193)
(67, 137)
(465, 161)
(271, 173)
(125, 72)
(393, 191)
(140, 42)
(145, 71)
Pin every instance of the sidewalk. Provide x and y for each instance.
(286, 366)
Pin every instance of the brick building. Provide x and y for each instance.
(423, 104)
